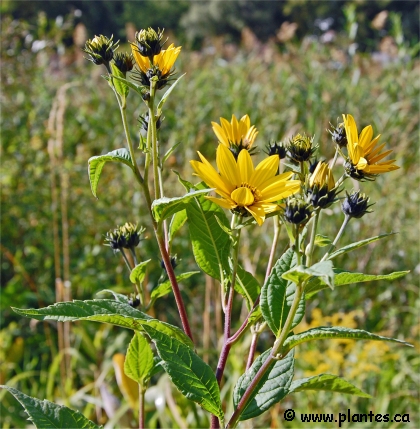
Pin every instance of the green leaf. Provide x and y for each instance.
(177, 222)
(322, 240)
(137, 88)
(47, 415)
(342, 278)
(210, 243)
(322, 270)
(120, 86)
(138, 273)
(166, 287)
(192, 376)
(277, 295)
(105, 311)
(247, 285)
(271, 389)
(361, 243)
(118, 296)
(329, 382)
(169, 152)
(167, 93)
(96, 164)
(165, 207)
(139, 360)
(332, 332)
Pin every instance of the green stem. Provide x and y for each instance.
(153, 137)
(310, 251)
(297, 246)
(142, 391)
(340, 233)
(277, 228)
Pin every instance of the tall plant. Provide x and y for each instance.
(290, 188)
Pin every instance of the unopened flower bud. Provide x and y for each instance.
(126, 236)
(100, 49)
(297, 211)
(144, 121)
(356, 205)
(301, 147)
(338, 134)
(124, 62)
(174, 262)
(321, 187)
(148, 42)
(276, 149)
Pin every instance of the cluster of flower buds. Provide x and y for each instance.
(127, 236)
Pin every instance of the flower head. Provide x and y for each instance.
(244, 189)
(338, 134)
(365, 153)
(321, 189)
(356, 205)
(124, 62)
(149, 42)
(162, 65)
(100, 49)
(301, 148)
(236, 135)
(297, 211)
(278, 149)
(126, 236)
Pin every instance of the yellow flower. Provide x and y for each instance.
(322, 176)
(163, 61)
(364, 152)
(236, 134)
(243, 188)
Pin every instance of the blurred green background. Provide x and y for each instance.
(293, 67)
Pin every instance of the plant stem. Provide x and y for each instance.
(252, 348)
(142, 391)
(312, 239)
(273, 246)
(340, 233)
(271, 357)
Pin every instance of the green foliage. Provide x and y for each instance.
(139, 363)
(190, 374)
(165, 287)
(271, 389)
(138, 273)
(47, 415)
(277, 295)
(329, 382)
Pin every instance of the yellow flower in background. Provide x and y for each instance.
(243, 188)
(164, 61)
(364, 152)
(236, 135)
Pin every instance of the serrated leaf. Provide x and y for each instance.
(166, 287)
(191, 375)
(139, 360)
(177, 222)
(210, 243)
(105, 311)
(271, 389)
(323, 270)
(332, 332)
(328, 382)
(118, 296)
(165, 207)
(361, 243)
(138, 273)
(47, 415)
(120, 86)
(342, 278)
(277, 295)
(96, 164)
(167, 93)
(247, 285)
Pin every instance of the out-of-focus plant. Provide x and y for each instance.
(290, 186)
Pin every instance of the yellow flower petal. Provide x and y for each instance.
(209, 175)
(242, 196)
(245, 166)
(258, 213)
(226, 204)
(220, 134)
(265, 170)
(366, 137)
(227, 166)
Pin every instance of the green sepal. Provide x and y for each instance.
(96, 164)
(334, 333)
(301, 274)
(47, 415)
(138, 273)
(139, 362)
(342, 278)
(105, 311)
(357, 245)
(190, 374)
(322, 240)
(328, 382)
(277, 295)
(165, 207)
(121, 87)
(271, 389)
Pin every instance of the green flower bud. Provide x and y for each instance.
(101, 49)
(126, 236)
(124, 62)
(148, 42)
(301, 147)
(297, 211)
(276, 149)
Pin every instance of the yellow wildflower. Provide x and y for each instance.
(243, 188)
